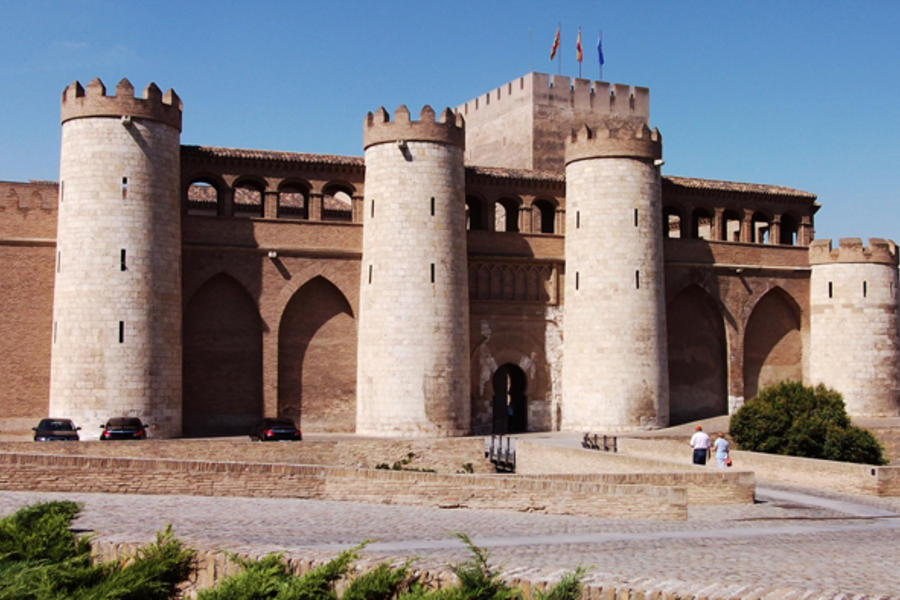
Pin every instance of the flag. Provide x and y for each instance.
(579, 54)
(555, 45)
(600, 50)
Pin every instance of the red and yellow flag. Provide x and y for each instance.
(579, 54)
(555, 45)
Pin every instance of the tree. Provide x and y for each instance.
(796, 420)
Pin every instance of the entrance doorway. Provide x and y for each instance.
(510, 411)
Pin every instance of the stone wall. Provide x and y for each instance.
(809, 472)
(537, 459)
(160, 476)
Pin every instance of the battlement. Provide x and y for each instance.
(615, 137)
(851, 250)
(600, 98)
(378, 128)
(92, 101)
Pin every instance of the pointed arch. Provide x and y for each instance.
(317, 358)
(773, 347)
(222, 360)
(698, 369)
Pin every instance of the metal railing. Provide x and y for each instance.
(596, 442)
(501, 450)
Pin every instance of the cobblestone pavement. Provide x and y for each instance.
(783, 541)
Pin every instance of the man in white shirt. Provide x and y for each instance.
(700, 444)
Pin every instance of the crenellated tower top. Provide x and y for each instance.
(92, 101)
(614, 137)
(851, 250)
(449, 129)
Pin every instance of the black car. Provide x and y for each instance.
(56, 430)
(276, 429)
(124, 428)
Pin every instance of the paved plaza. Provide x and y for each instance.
(785, 540)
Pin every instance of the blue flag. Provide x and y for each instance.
(600, 50)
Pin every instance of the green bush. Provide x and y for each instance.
(42, 559)
(792, 419)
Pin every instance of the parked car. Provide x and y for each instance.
(268, 430)
(124, 428)
(56, 430)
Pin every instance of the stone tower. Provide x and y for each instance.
(615, 373)
(413, 336)
(116, 347)
(854, 345)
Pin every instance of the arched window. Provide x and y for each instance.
(202, 199)
(476, 216)
(731, 226)
(506, 217)
(337, 203)
(671, 223)
(293, 201)
(248, 200)
(701, 224)
(760, 228)
(788, 234)
(547, 214)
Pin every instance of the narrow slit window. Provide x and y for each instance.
(370, 274)
(637, 280)
(372, 208)
(432, 206)
(122, 264)
(58, 260)
(577, 219)
(432, 272)
(576, 280)
(124, 187)
(830, 290)
(62, 190)
(635, 217)
(865, 289)
(121, 332)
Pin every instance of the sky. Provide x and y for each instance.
(798, 93)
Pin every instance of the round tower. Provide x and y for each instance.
(413, 334)
(116, 347)
(615, 372)
(853, 323)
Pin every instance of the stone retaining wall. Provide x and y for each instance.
(163, 476)
(809, 472)
(536, 459)
(214, 565)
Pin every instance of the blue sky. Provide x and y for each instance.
(791, 92)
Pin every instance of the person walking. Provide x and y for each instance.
(700, 443)
(721, 446)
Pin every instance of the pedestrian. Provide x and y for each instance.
(721, 445)
(700, 443)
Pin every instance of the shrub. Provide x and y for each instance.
(42, 559)
(792, 419)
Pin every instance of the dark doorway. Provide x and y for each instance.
(510, 405)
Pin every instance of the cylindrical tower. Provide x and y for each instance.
(615, 374)
(413, 336)
(116, 348)
(853, 308)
